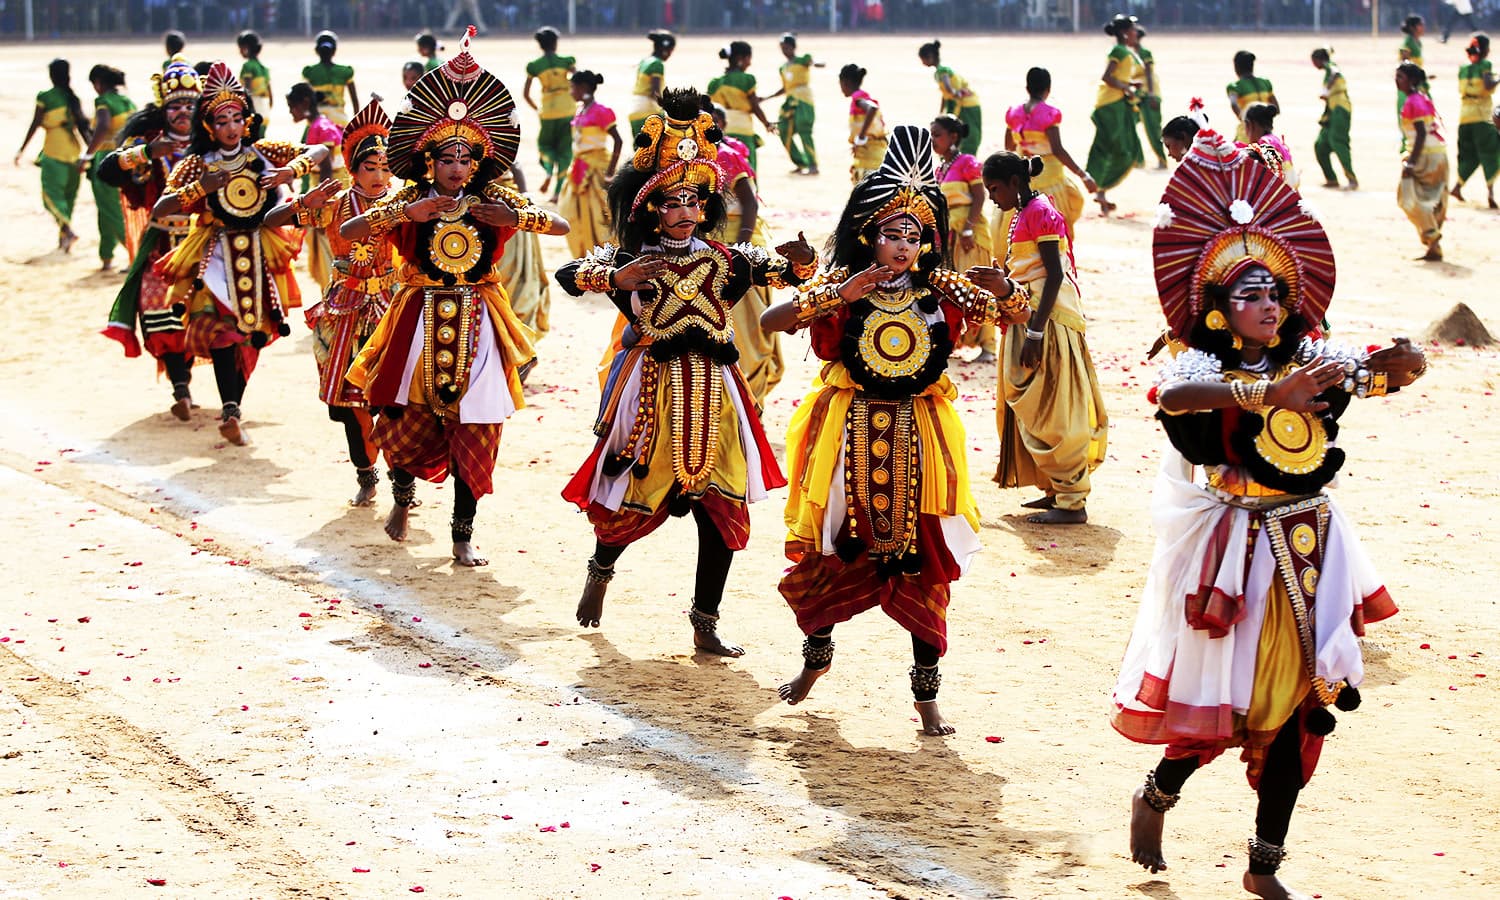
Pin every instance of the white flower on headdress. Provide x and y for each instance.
(1241, 212)
(1164, 217)
(1307, 210)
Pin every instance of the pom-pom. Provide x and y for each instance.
(179, 309)
(258, 339)
(713, 135)
(1164, 216)
(614, 464)
(284, 329)
(1348, 699)
(640, 469)
(1320, 722)
(1241, 212)
(928, 304)
(850, 549)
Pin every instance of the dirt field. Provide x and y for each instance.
(214, 672)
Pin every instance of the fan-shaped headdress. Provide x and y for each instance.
(458, 102)
(368, 132)
(679, 146)
(903, 185)
(1224, 210)
(221, 89)
(177, 82)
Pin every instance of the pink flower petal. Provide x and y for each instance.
(156, 882)
(542, 743)
(993, 739)
(360, 870)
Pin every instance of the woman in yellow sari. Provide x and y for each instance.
(959, 179)
(867, 140)
(1423, 191)
(583, 202)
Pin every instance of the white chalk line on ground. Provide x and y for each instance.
(140, 485)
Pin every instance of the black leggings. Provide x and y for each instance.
(227, 374)
(922, 653)
(179, 372)
(714, 558)
(1280, 783)
(354, 433)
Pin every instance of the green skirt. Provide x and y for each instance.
(1117, 145)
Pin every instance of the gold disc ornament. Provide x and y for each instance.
(895, 345)
(1293, 442)
(456, 247)
(242, 194)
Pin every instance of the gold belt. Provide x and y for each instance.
(372, 285)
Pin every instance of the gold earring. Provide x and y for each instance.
(1215, 320)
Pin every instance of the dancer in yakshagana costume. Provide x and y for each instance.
(233, 272)
(880, 512)
(151, 145)
(363, 276)
(678, 430)
(1259, 590)
(443, 368)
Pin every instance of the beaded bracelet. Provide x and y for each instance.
(804, 271)
(1250, 397)
(533, 218)
(134, 158)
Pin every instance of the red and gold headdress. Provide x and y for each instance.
(458, 102)
(676, 146)
(221, 89)
(368, 132)
(904, 185)
(177, 82)
(1224, 210)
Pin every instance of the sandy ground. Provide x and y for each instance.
(214, 672)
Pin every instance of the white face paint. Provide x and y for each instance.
(1255, 314)
(1251, 287)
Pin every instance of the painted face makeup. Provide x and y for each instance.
(373, 175)
(680, 214)
(1255, 314)
(453, 168)
(180, 117)
(898, 243)
(229, 127)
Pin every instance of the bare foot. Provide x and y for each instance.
(395, 523)
(546, 183)
(1270, 887)
(796, 690)
(933, 722)
(464, 555)
(1353, 185)
(366, 495)
(1056, 516)
(710, 642)
(107, 265)
(591, 604)
(812, 171)
(182, 409)
(1458, 192)
(1434, 252)
(985, 358)
(1145, 833)
(1493, 205)
(1044, 502)
(66, 241)
(231, 431)
(1331, 185)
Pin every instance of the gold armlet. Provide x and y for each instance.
(1014, 304)
(387, 216)
(804, 271)
(817, 301)
(135, 157)
(595, 277)
(192, 193)
(302, 165)
(533, 218)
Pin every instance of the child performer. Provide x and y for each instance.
(232, 273)
(1423, 190)
(583, 201)
(735, 92)
(1259, 590)
(650, 73)
(959, 179)
(254, 75)
(1478, 142)
(331, 80)
(1333, 127)
(1053, 428)
(1034, 128)
(151, 145)
(554, 137)
(866, 124)
(111, 110)
(1410, 51)
(678, 431)
(880, 512)
(443, 368)
(305, 105)
(795, 121)
(1117, 143)
(360, 293)
(59, 113)
(955, 97)
(1247, 89)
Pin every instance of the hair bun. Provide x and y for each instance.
(723, 53)
(1034, 165)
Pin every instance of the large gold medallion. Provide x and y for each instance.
(456, 247)
(1293, 442)
(242, 195)
(895, 344)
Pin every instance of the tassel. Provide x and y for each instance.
(1348, 699)
(849, 549)
(1320, 721)
(615, 463)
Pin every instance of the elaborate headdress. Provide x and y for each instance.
(904, 184)
(1224, 210)
(177, 82)
(221, 89)
(458, 102)
(368, 132)
(678, 147)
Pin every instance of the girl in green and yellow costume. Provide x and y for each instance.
(111, 110)
(1478, 141)
(795, 122)
(956, 97)
(1409, 51)
(1151, 100)
(554, 137)
(1333, 127)
(1117, 144)
(596, 153)
(60, 115)
(253, 74)
(649, 75)
(1247, 89)
(735, 92)
(331, 80)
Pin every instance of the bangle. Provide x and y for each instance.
(819, 299)
(133, 158)
(593, 276)
(967, 232)
(1035, 335)
(192, 193)
(1249, 396)
(387, 216)
(302, 165)
(804, 271)
(532, 218)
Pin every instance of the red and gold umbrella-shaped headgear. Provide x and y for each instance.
(221, 89)
(1224, 210)
(368, 132)
(458, 102)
